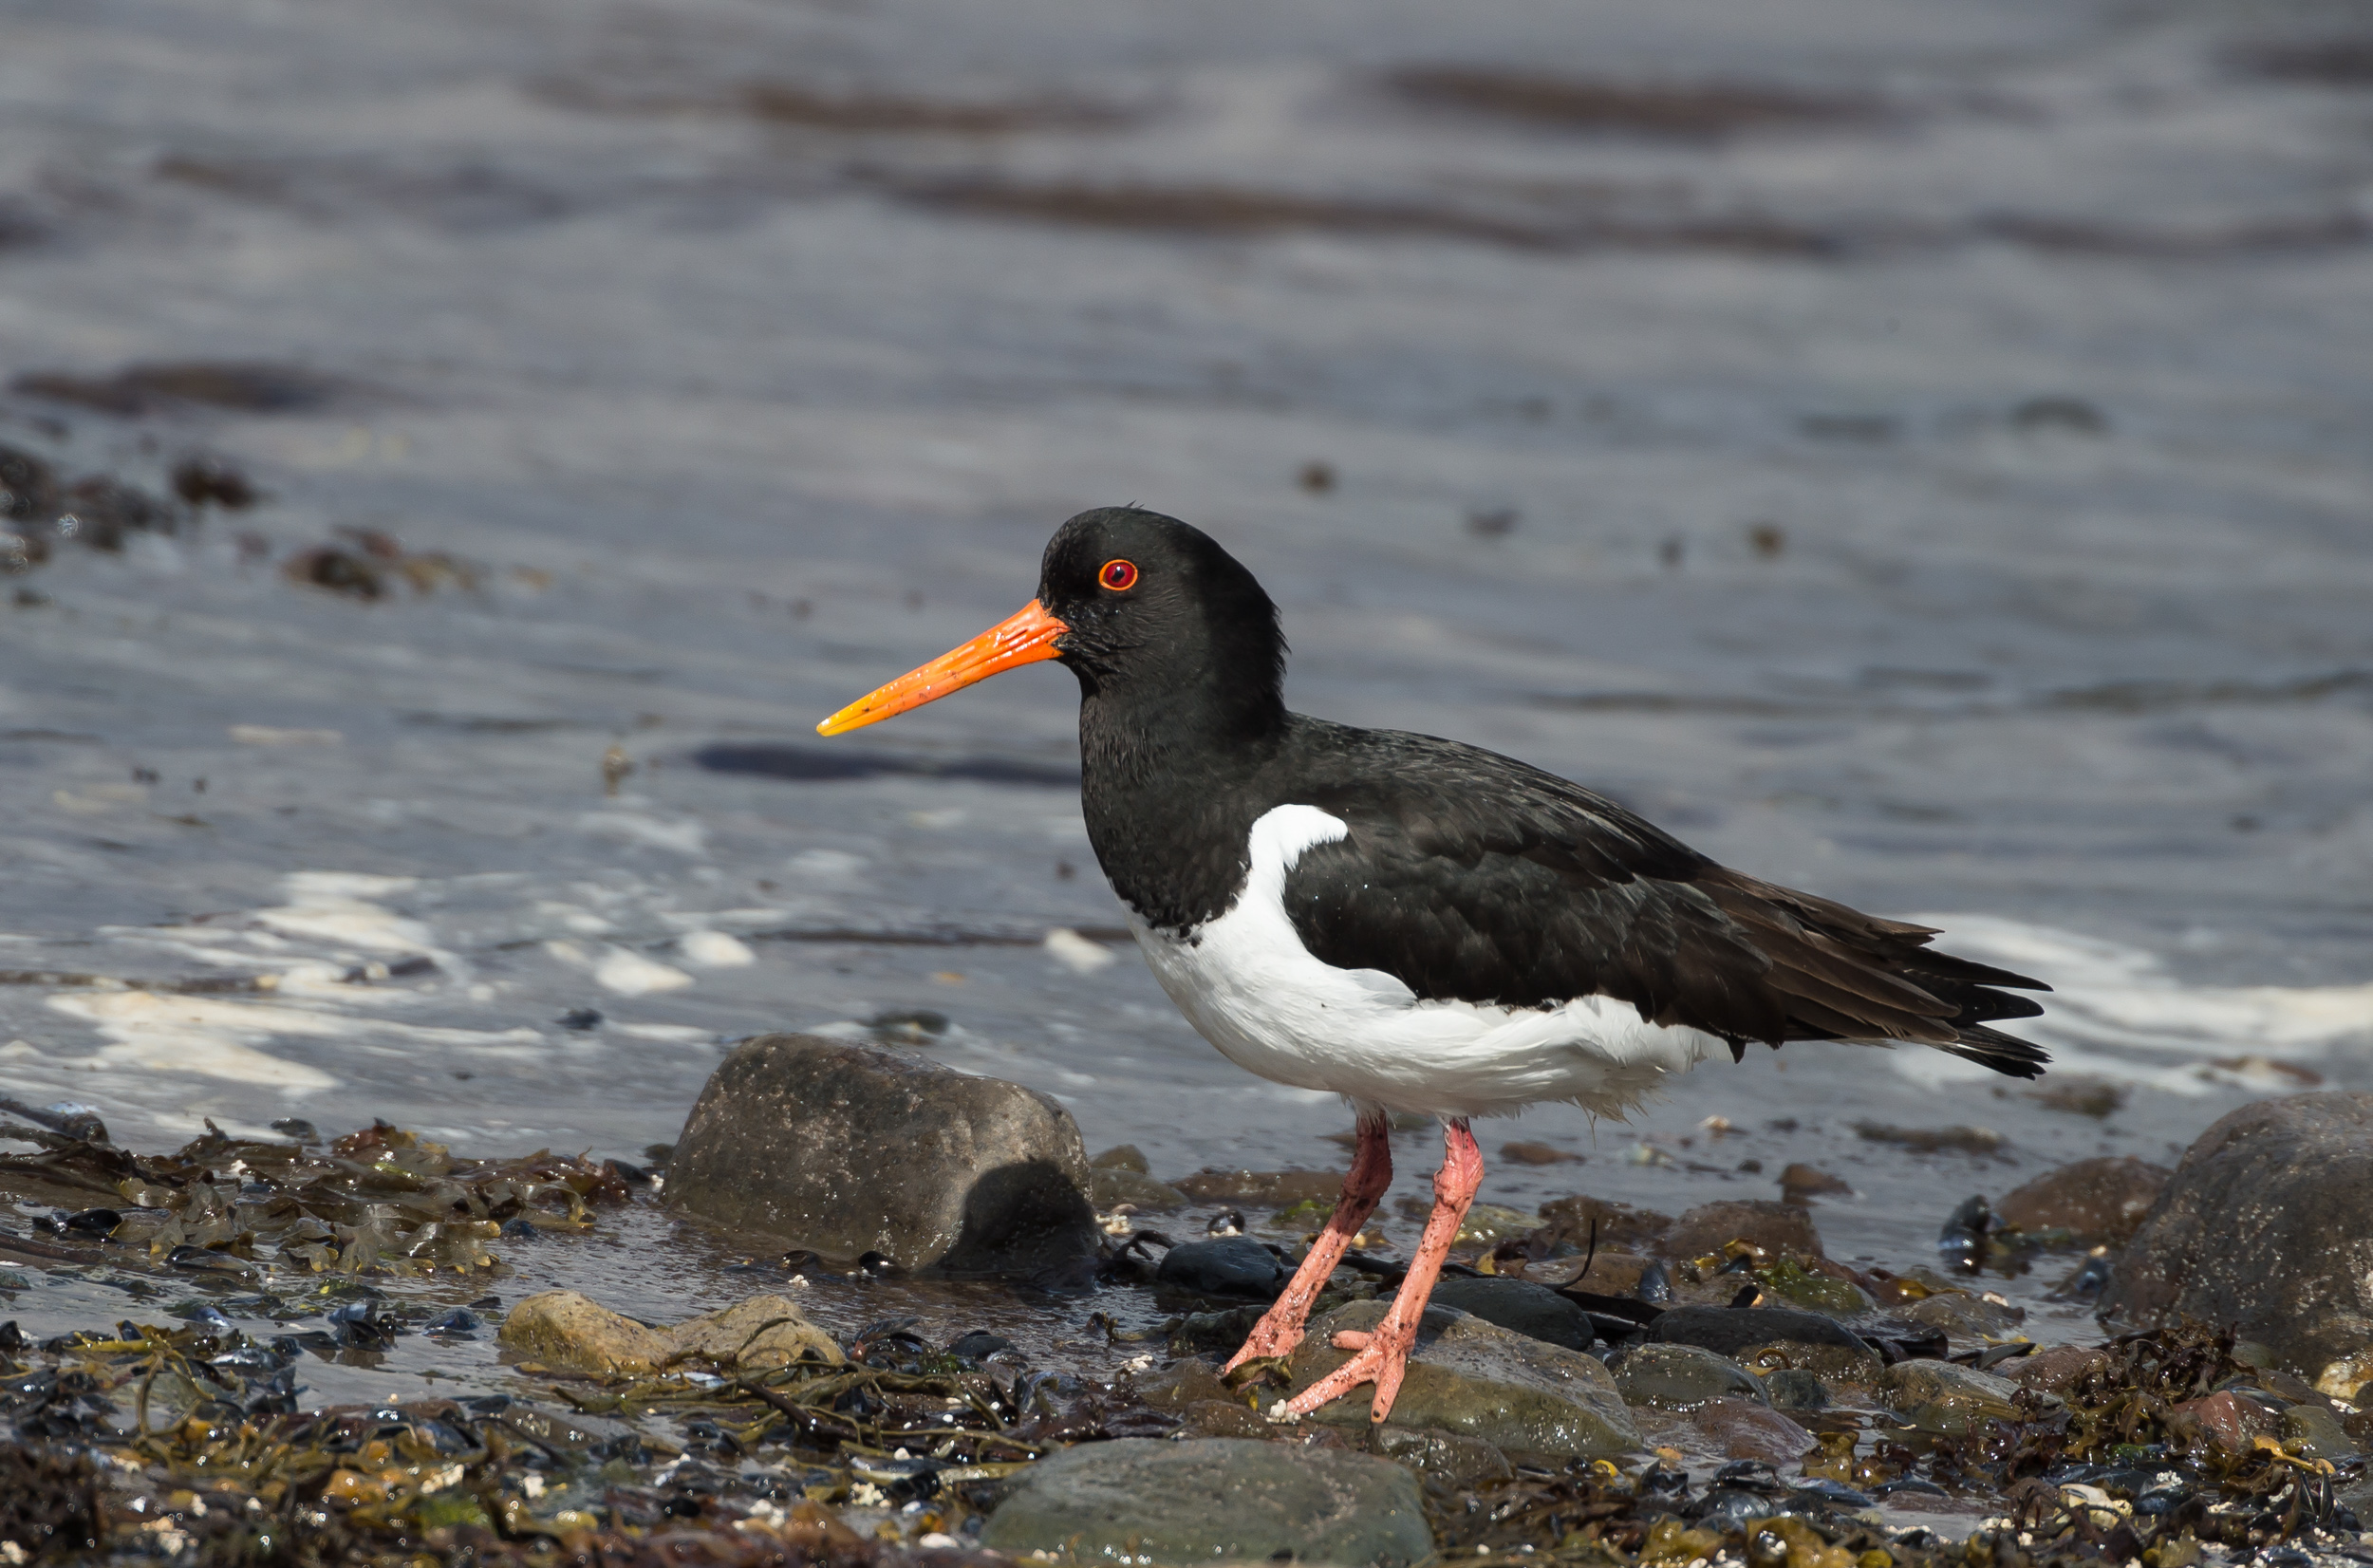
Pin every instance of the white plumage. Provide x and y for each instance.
(1250, 987)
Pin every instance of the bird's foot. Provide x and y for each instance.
(1276, 1334)
(1380, 1358)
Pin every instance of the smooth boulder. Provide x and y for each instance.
(1228, 1499)
(1726, 1331)
(569, 1331)
(1520, 1306)
(2262, 1227)
(1682, 1377)
(2101, 1200)
(846, 1149)
(1476, 1379)
(1230, 1265)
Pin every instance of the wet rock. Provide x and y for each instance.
(1282, 1189)
(1964, 1316)
(2312, 1431)
(1122, 1157)
(2101, 1200)
(1109, 1187)
(1452, 1458)
(202, 480)
(1681, 1377)
(1822, 1290)
(1225, 1418)
(1746, 1430)
(1932, 1140)
(1488, 1224)
(1183, 1383)
(566, 1331)
(1801, 1183)
(28, 487)
(846, 1149)
(1524, 1153)
(1609, 1274)
(2262, 1227)
(1232, 1266)
(1229, 1500)
(1728, 1331)
(1795, 1389)
(2346, 1377)
(2081, 1096)
(1572, 1221)
(1940, 1396)
(1781, 1229)
(2058, 1370)
(1519, 1306)
(2231, 1421)
(761, 1333)
(1520, 1394)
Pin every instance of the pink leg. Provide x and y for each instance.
(1383, 1357)
(1280, 1328)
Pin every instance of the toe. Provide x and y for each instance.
(1352, 1339)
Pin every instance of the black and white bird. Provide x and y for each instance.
(1414, 924)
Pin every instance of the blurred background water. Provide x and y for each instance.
(1919, 452)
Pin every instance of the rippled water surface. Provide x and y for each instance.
(1916, 452)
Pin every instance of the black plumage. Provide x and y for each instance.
(1465, 875)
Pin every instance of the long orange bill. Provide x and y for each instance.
(1027, 637)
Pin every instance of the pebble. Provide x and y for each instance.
(1522, 1306)
(566, 1331)
(1231, 1265)
(1518, 1394)
(1140, 1500)
(1669, 1376)
(2101, 1200)
(1783, 1230)
(1109, 1187)
(1749, 1429)
(1728, 1331)
(1940, 1396)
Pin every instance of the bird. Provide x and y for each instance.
(1417, 925)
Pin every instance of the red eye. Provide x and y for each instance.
(1120, 577)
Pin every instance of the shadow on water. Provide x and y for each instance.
(817, 765)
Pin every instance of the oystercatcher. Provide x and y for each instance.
(1413, 923)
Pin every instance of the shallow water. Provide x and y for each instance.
(1916, 451)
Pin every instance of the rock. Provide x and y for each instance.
(2101, 1200)
(2346, 1377)
(1456, 1460)
(1233, 1265)
(1783, 1230)
(1488, 1224)
(1519, 1306)
(2058, 1370)
(2263, 1226)
(2229, 1420)
(1122, 1157)
(566, 1331)
(1932, 1140)
(1110, 1186)
(1787, 1283)
(1619, 1226)
(1801, 1183)
(1183, 1383)
(1282, 1189)
(1681, 1377)
(1610, 1273)
(1795, 1389)
(1832, 1364)
(847, 1148)
(1141, 1500)
(1745, 1430)
(2312, 1431)
(1940, 1396)
(1520, 1394)
(1968, 1316)
(1726, 1331)
(1537, 1154)
(763, 1333)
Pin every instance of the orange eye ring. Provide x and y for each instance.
(1117, 575)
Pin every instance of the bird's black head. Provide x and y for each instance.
(1168, 633)
(1158, 613)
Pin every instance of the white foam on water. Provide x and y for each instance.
(687, 836)
(630, 974)
(714, 950)
(340, 909)
(2116, 1011)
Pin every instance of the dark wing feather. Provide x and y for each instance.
(1471, 877)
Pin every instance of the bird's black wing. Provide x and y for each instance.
(1471, 877)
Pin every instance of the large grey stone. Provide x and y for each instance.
(1519, 1306)
(1228, 1499)
(1682, 1377)
(846, 1149)
(2262, 1227)
(1517, 1393)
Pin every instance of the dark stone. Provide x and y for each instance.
(2102, 1201)
(1218, 1499)
(1785, 1230)
(2262, 1227)
(1232, 1266)
(1519, 1306)
(1112, 1187)
(847, 1148)
(1726, 1331)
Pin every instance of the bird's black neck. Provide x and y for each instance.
(1167, 786)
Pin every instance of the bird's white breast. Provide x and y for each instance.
(1250, 987)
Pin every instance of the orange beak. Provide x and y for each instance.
(1027, 637)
